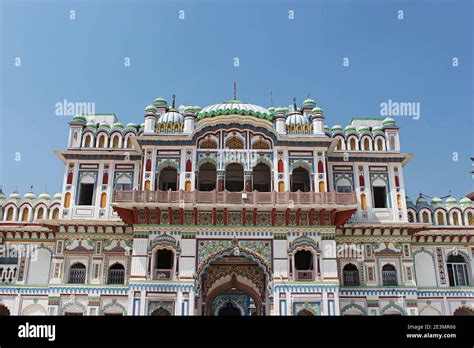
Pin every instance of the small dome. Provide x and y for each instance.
(422, 201)
(191, 109)
(45, 195)
(142, 126)
(14, 195)
(235, 107)
(150, 109)
(336, 128)
(388, 121)
(465, 200)
(436, 200)
(80, 118)
(281, 110)
(309, 103)
(296, 118)
(377, 129)
(171, 116)
(91, 125)
(160, 101)
(350, 129)
(451, 200)
(104, 125)
(29, 195)
(132, 125)
(317, 110)
(408, 200)
(58, 196)
(118, 125)
(363, 129)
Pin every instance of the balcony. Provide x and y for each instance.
(389, 278)
(77, 276)
(8, 273)
(304, 275)
(227, 197)
(116, 276)
(351, 278)
(159, 274)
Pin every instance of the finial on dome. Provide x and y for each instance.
(174, 101)
(235, 90)
(294, 104)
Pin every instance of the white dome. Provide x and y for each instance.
(44, 196)
(29, 195)
(235, 107)
(296, 118)
(171, 116)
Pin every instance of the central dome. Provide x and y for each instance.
(235, 107)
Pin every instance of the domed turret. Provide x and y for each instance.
(465, 200)
(377, 129)
(58, 196)
(132, 125)
(160, 102)
(104, 125)
(171, 116)
(436, 201)
(363, 129)
(296, 118)
(45, 196)
(14, 195)
(388, 122)
(451, 201)
(336, 128)
(80, 118)
(92, 125)
(29, 195)
(118, 125)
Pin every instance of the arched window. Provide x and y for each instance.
(343, 185)
(304, 265)
(280, 166)
(115, 142)
(88, 140)
(440, 218)
(262, 178)
(168, 179)
(116, 274)
(455, 216)
(469, 218)
(424, 217)
(361, 181)
(300, 180)
(77, 274)
(352, 144)
(208, 144)
(101, 141)
(207, 177)
(339, 143)
(260, 145)
(379, 144)
(164, 260)
(234, 143)
(234, 177)
(379, 193)
(56, 214)
(305, 312)
(457, 271)
(392, 142)
(320, 167)
(10, 214)
(350, 275)
(160, 312)
(40, 214)
(389, 275)
(25, 214)
(411, 217)
(366, 144)
(129, 142)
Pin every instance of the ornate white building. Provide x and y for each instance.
(234, 209)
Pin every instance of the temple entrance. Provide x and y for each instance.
(233, 286)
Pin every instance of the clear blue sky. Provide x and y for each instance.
(81, 60)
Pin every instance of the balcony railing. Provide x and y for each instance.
(351, 278)
(8, 273)
(77, 276)
(304, 275)
(162, 274)
(227, 197)
(389, 278)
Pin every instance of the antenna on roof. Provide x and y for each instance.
(31, 188)
(308, 95)
(271, 98)
(174, 101)
(294, 104)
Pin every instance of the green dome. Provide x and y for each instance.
(118, 125)
(235, 107)
(14, 195)
(377, 129)
(350, 129)
(79, 118)
(388, 121)
(271, 109)
(318, 110)
(104, 125)
(58, 196)
(150, 109)
(436, 201)
(336, 128)
(465, 200)
(131, 125)
(91, 125)
(309, 103)
(142, 126)
(451, 200)
(44, 195)
(408, 200)
(281, 110)
(29, 195)
(160, 101)
(422, 202)
(362, 129)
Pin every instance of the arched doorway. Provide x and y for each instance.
(463, 311)
(234, 177)
(207, 177)
(300, 180)
(160, 312)
(229, 309)
(168, 179)
(4, 311)
(262, 178)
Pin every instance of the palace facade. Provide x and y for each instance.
(234, 209)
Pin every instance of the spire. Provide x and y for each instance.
(271, 98)
(294, 105)
(235, 90)
(174, 101)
